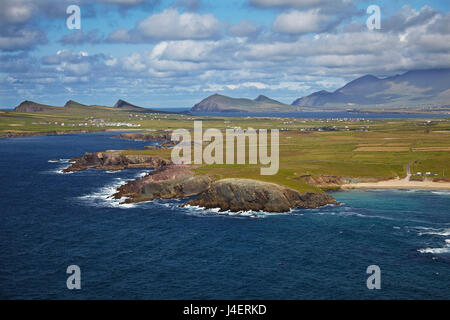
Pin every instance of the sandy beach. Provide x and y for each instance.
(399, 184)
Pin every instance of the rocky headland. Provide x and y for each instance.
(170, 181)
(246, 194)
(115, 160)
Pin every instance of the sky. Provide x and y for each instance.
(174, 53)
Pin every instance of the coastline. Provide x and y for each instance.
(9, 134)
(398, 184)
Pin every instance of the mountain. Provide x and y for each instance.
(74, 106)
(220, 103)
(122, 104)
(413, 89)
(31, 106)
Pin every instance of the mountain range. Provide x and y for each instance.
(412, 90)
(121, 105)
(220, 103)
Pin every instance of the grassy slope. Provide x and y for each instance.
(301, 153)
(334, 153)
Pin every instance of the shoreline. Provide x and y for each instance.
(25, 134)
(398, 184)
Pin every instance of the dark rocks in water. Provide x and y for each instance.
(245, 194)
(169, 182)
(115, 160)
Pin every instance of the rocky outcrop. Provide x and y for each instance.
(115, 160)
(164, 136)
(21, 134)
(324, 181)
(173, 181)
(244, 194)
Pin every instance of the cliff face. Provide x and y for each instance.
(169, 181)
(173, 181)
(115, 160)
(244, 194)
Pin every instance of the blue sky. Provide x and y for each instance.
(175, 53)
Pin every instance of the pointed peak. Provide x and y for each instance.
(72, 103)
(262, 98)
(125, 104)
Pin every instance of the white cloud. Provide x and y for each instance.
(171, 25)
(296, 22)
(301, 4)
(15, 11)
(245, 28)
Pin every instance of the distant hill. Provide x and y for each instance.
(74, 106)
(31, 106)
(121, 104)
(220, 103)
(413, 89)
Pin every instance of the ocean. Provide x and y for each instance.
(156, 250)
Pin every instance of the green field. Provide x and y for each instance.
(375, 149)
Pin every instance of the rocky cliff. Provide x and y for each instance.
(115, 160)
(168, 182)
(244, 194)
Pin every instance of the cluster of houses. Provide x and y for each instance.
(426, 174)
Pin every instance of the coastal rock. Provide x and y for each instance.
(164, 136)
(324, 181)
(245, 194)
(173, 181)
(115, 160)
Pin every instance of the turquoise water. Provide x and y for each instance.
(155, 250)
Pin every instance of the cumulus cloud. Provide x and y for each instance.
(300, 4)
(15, 11)
(245, 28)
(188, 54)
(12, 38)
(170, 25)
(296, 22)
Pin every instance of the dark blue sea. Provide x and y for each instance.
(155, 250)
